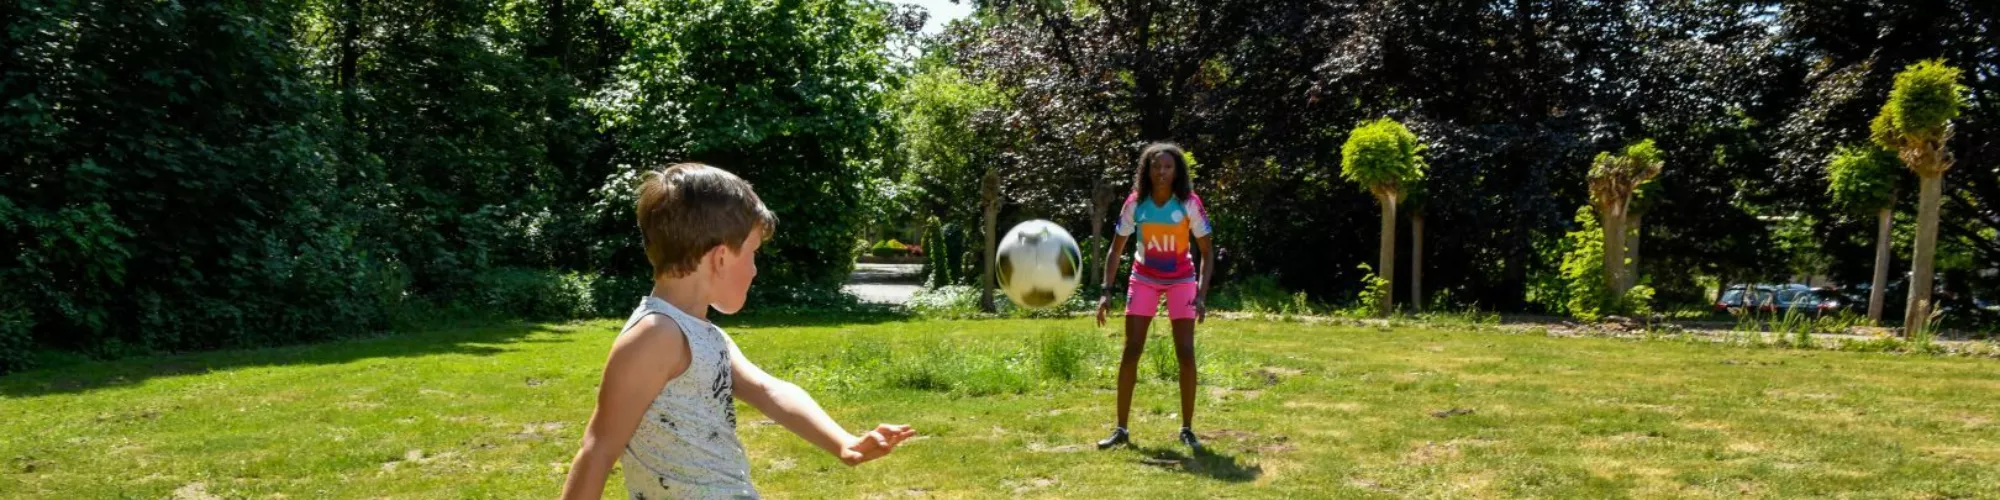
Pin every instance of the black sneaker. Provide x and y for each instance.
(1187, 438)
(1118, 437)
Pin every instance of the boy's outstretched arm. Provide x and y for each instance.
(791, 407)
(639, 365)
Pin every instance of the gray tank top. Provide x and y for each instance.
(686, 445)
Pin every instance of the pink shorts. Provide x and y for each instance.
(1143, 299)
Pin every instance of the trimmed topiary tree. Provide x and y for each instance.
(1613, 179)
(1915, 123)
(1383, 156)
(1862, 179)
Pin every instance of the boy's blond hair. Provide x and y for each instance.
(689, 208)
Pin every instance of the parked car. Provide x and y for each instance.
(1758, 297)
(1816, 301)
(1896, 296)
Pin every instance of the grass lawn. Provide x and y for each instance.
(1010, 407)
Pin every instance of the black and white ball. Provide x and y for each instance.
(1039, 264)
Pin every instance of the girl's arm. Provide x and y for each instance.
(1121, 231)
(793, 408)
(1207, 271)
(1199, 228)
(640, 364)
(1111, 256)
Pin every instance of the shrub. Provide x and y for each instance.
(1373, 288)
(16, 335)
(534, 294)
(1584, 293)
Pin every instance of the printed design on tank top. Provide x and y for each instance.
(723, 389)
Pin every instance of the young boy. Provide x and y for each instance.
(666, 405)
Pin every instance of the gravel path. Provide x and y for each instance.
(885, 283)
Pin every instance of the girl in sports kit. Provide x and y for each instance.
(1165, 214)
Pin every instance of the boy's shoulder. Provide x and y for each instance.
(654, 324)
(654, 342)
(655, 334)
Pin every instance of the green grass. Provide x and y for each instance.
(1010, 407)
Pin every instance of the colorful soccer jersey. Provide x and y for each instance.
(1165, 235)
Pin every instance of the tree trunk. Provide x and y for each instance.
(1921, 264)
(1417, 262)
(560, 27)
(1528, 42)
(1633, 228)
(1511, 294)
(1613, 220)
(1388, 270)
(350, 30)
(1875, 291)
(1095, 243)
(991, 193)
(1101, 198)
(556, 146)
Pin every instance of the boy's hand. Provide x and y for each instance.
(1200, 310)
(875, 443)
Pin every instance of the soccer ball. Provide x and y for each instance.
(1039, 264)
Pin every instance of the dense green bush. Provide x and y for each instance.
(786, 95)
(615, 295)
(170, 183)
(889, 248)
(1584, 294)
(937, 255)
(17, 341)
(199, 175)
(534, 294)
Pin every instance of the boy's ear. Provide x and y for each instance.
(712, 259)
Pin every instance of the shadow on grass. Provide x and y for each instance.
(77, 374)
(84, 375)
(1207, 463)
(861, 315)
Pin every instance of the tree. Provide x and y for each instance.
(937, 267)
(451, 125)
(168, 183)
(1863, 179)
(1643, 199)
(1139, 60)
(785, 94)
(1384, 157)
(1089, 84)
(952, 144)
(1856, 48)
(1915, 123)
(1417, 202)
(942, 139)
(989, 196)
(1613, 178)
